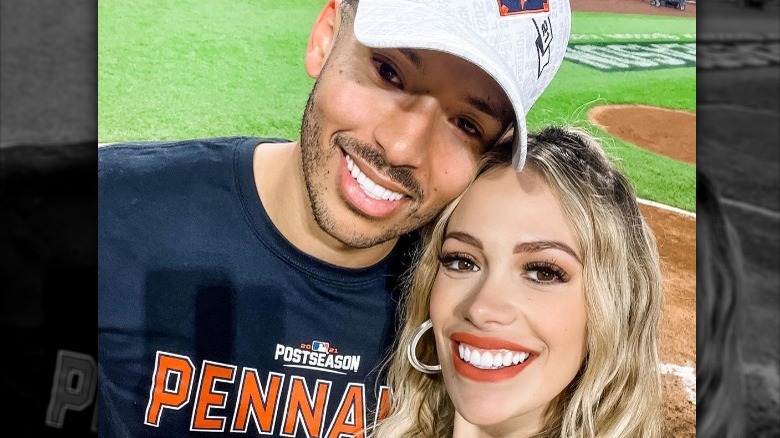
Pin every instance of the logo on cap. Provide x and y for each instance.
(514, 7)
(544, 39)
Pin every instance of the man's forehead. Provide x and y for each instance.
(495, 106)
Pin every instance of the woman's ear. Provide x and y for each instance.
(321, 38)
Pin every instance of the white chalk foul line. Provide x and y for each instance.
(762, 211)
(666, 207)
(686, 374)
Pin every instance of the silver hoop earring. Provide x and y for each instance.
(411, 351)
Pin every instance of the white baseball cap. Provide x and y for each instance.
(520, 43)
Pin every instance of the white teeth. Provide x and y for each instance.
(487, 360)
(493, 359)
(475, 358)
(368, 186)
(371, 188)
(507, 359)
(378, 191)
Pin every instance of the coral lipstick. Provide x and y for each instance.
(494, 346)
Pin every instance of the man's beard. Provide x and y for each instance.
(316, 174)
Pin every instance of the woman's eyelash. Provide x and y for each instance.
(464, 262)
(548, 268)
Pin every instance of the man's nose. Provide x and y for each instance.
(406, 132)
(490, 305)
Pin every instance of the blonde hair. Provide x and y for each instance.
(720, 382)
(617, 392)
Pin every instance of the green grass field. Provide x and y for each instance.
(186, 69)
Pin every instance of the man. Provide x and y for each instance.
(245, 284)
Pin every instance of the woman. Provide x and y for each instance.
(543, 291)
(720, 383)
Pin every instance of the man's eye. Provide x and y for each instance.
(458, 263)
(387, 72)
(468, 127)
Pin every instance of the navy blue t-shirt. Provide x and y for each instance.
(209, 320)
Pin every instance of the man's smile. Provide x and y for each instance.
(366, 195)
(370, 187)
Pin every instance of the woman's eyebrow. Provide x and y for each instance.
(465, 238)
(541, 245)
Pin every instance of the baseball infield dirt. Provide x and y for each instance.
(632, 7)
(670, 133)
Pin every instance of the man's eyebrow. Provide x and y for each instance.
(541, 245)
(413, 57)
(488, 108)
(465, 238)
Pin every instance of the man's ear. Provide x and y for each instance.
(321, 38)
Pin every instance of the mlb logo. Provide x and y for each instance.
(322, 347)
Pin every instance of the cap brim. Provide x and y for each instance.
(406, 24)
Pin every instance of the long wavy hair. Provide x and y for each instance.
(617, 391)
(719, 278)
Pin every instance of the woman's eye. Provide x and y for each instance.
(458, 264)
(546, 273)
(543, 276)
(387, 72)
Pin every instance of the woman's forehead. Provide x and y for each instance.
(509, 199)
